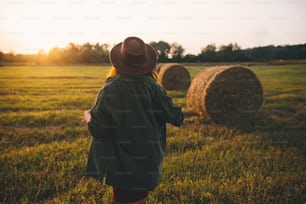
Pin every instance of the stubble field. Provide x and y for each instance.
(44, 142)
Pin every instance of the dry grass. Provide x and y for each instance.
(44, 144)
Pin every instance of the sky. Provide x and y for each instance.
(27, 26)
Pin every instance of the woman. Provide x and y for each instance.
(128, 124)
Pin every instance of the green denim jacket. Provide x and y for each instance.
(128, 125)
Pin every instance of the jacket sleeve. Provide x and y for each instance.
(171, 113)
(100, 122)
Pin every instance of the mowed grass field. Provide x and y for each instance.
(44, 142)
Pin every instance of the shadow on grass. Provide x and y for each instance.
(282, 130)
(241, 126)
(282, 126)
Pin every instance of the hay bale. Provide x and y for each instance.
(227, 94)
(173, 76)
(158, 66)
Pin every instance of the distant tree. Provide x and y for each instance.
(190, 58)
(41, 57)
(55, 56)
(296, 51)
(70, 53)
(228, 52)
(230, 47)
(262, 53)
(1, 57)
(208, 53)
(105, 57)
(176, 52)
(99, 53)
(271, 52)
(102, 52)
(209, 48)
(163, 49)
(86, 54)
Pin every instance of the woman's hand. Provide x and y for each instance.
(87, 116)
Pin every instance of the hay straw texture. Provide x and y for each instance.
(226, 94)
(173, 76)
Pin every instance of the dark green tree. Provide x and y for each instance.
(176, 52)
(229, 53)
(1, 57)
(190, 58)
(208, 53)
(70, 53)
(163, 50)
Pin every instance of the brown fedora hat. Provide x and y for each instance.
(133, 57)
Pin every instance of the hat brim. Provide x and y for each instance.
(147, 67)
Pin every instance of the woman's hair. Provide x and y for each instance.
(114, 72)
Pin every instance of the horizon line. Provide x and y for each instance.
(100, 43)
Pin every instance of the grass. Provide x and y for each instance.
(44, 143)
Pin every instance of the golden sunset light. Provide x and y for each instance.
(152, 101)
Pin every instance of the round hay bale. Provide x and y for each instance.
(173, 76)
(158, 66)
(227, 94)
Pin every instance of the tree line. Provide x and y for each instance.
(99, 53)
